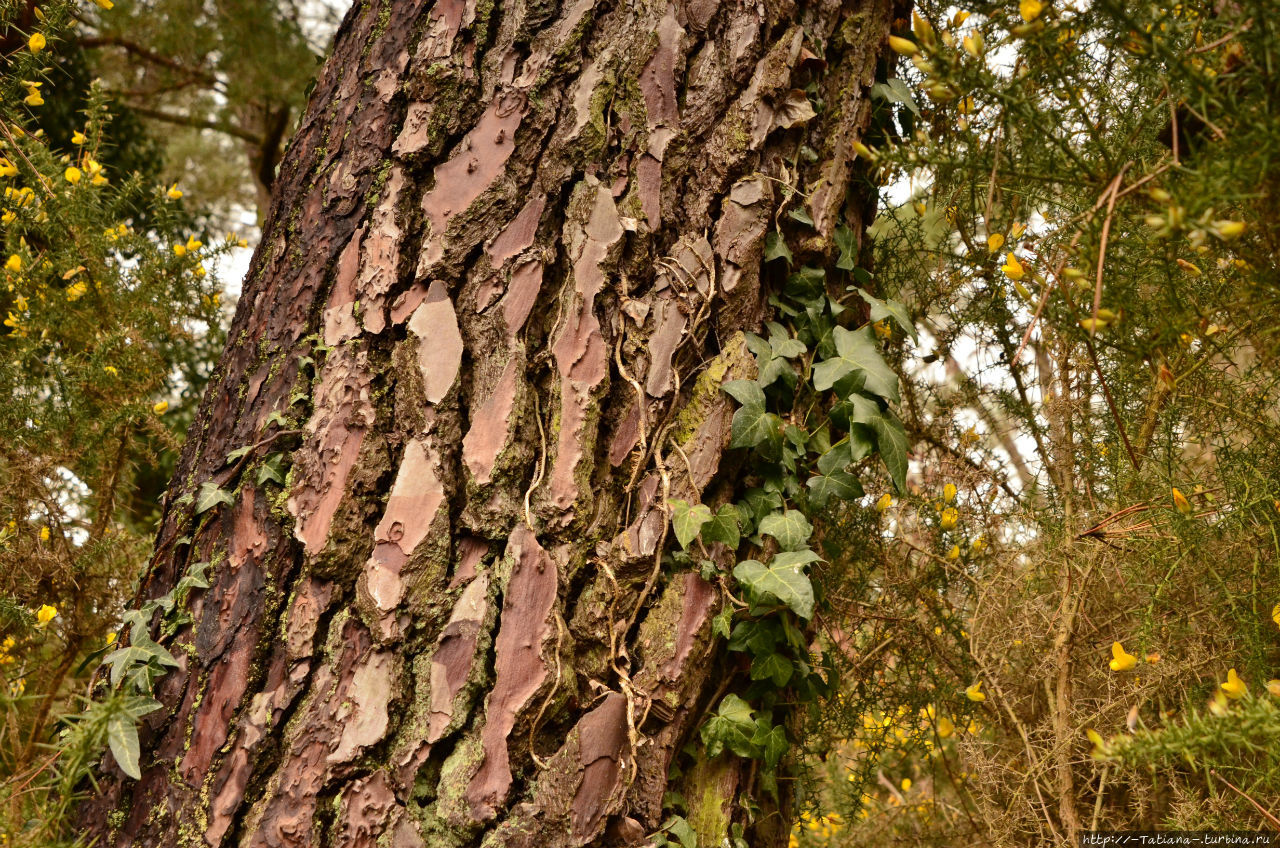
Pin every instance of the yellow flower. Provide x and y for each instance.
(974, 693)
(1099, 744)
(978, 544)
(46, 614)
(1012, 267)
(33, 97)
(1180, 501)
(161, 408)
(7, 168)
(954, 553)
(1017, 230)
(36, 43)
(1218, 704)
(111, 369)
(180, 250)
(903, 46)
(973, 45)
(995, 241)
(72, 174)
(1275, 614)
(77, 290)
(883, 329)
(886, 501)
(1121, 660)
(193, 244)
(111, 638)
(1030, 9)
(1234, 687)
(13, 263)
(906, 784)
(174, 192)
(946, 727)
(78, 137)
(105, 4)
(949, 493)
(949, 518)
(44, 534)
(1228, 229)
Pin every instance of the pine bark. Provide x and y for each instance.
(511, 255)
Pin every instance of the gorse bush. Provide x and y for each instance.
(111, 319)
(1071, 621)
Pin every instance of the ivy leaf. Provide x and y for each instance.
(773, 667)
(723, 527)
(745, 392)
(856, 351)
(772, 742)
(122, 736)
(238, 452)
(681, 830)
(891, 442)
(272, 469)
(802, 215)
(784, 581)
(782, 344)
(732, 727)
(775, 247)
(720, 624)
(211, 495)
(687, 520)
(881, 309)
(753, 426)
(896, 91)
(837, 484)
(790, 528)
(848, 246)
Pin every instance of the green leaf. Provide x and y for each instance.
(773, 743)
(122, 660)
(773, 667)
(239, 452)
(802, 215)
(211, 495)
(891, 442)
(848, 245)
(745, 392)
(856, 351)
(732, 727)
(687, 520)
(720, 624)
(753, 426)
(881, 309)
(782, 344)
(723, 527)
(896, 91)
(122, 736)
(790, 528)
(837, 484)
(272, 469)
(786, 582)
(775, 247)
(680, 829)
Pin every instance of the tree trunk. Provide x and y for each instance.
(510, 260)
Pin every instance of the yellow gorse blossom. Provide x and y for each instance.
(1180, 502)
(1121, 660)
(78, 137)
(72, 174)
(949, 493)
(161, 408)
(111, 638)
(1012, 267)
(33, 97)
(112, 370)
(174, 193)
(995, 241)
(954, 553)
(36, 43)
(77, 290)
(1234, 687)
(105, 4)
(946, 727)
(975, 693)
(1030, 9)
(1275, 614)
(903, 46)
(46, 614)
(13, 263)
(949, 518)
(7, 168)
(886, 500)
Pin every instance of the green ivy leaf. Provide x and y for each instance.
(837, 484)
(856, 351)
(891, 442)
(775, 247)
(848, 246)
(211, 495)
(720, 624)
(745, 392)
(682, 831)
(723, 527)
(122, 736)
(687, 520)
(752, 426)
(881, 309)
(790, 528)
(802, 215)
(773, 743)
(732, 727)
(272, 468)
(782, 579)
(773, 667)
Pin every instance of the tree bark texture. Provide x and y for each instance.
(511, 256)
